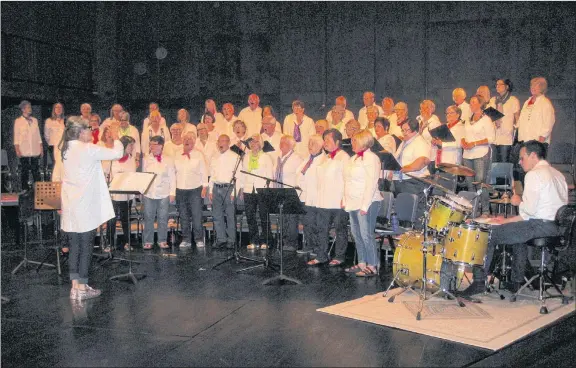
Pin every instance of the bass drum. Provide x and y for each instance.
(407, 266)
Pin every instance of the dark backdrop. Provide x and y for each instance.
(104, 52)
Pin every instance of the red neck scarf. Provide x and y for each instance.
(450, 126)
(95, 134)
(361, 153)
(124, 159)
(532, 100)
(158, 158)
(333, 153)
(187, 154)
(401, 122)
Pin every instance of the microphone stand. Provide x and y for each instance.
(236, 255)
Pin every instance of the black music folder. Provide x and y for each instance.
(493, 114)
(443, 133)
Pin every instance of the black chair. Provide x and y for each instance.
(549, 248)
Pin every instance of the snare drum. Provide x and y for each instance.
(445, 211)
(467, 244)
(408, 261)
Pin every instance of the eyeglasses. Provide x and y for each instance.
(450, 112)
(406, 131)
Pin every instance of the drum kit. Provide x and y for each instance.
(447, 242)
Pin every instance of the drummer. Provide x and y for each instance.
(413, 155)
(546, 191)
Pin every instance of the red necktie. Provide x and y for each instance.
(333, 153)
(187, 154)
(158, 158)
(123, 159)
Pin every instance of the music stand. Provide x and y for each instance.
(286, 200)
(47, 196)
(130, 183)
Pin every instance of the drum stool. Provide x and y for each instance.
(546, 246)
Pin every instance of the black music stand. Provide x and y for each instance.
(130, 183)
(286, 200)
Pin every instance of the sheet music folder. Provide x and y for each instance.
(131, 182)
(443, 133)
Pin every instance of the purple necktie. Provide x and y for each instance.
(297, 133)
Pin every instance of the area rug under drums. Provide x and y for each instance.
(492, 324)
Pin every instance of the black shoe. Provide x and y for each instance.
(289, 248)
(513, 287)
(476, 287)
(229, 245)
(220, 245)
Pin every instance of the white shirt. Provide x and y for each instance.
(544, 193)
(363, 118)
(53, 130)
(219, 122)
(408, 152)
(119, 167)
(330, 188)
(222, 168)
(170, 149)
(466, 111)
(388, 143)
(432, 123)
(209, 150)
(252, 119)
(341, 127)
(452, 151)
(189, 127)
(192, 172)
(505, 134)
(27, 136)
(132, 132)
(289, 168)
(229, 126)
(361, 176)
(309, 182)
(307, 129)
(265, 169)
(394, 128)
(536, 120)
(482, 129)
(148, 133)
(147, 121)
(86, 202)
(164, 184)
(348, 115)
(274, 141)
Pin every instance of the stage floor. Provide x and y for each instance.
(186, 314)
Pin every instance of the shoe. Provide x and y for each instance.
(219, 245)
(147, 246)
(513, 286)
(107, 249)
(88, 293)
(164, 245)
(185, 244)
(366, 272)
(263, 246)
(199, 244)
(334, 263)
(128, 247)
(314, 262)
(252, 246)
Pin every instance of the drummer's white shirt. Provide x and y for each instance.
(544, 193)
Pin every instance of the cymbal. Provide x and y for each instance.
(501, 201)
(456, 169)
(427, 180)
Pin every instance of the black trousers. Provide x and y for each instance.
(122, 211)
(516, 234)
(324, 218)
(81, 247)
(51, 155)
(502, 153)
(255, 202)
(29, 165)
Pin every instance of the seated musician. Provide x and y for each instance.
(413, 155)
(545, 192)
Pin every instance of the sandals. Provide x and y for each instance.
(366, 272)
(334, 263)
(128, 247)
(164, 245)
(353, 269)
(147, 246)
(314, 262)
